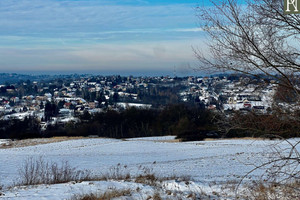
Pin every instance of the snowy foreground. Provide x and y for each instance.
(210, 164)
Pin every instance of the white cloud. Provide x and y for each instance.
(145, 55)
(95, 35)
(50, 17)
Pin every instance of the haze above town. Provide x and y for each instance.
(128, 37)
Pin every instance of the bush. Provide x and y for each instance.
(38, 171)
(193, 135)
(239, 132)
(119, 172)
(197, 135)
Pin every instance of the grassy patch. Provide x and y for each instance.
(119, 172)
(271, 191)
(39, 171)
(38, 141)
(110, 194)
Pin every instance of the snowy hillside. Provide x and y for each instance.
(208, 163)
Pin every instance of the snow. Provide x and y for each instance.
(20, 116)
(66, 190)
(205, 162)
(137, 105)
(5, 142)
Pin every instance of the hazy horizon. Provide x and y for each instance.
(107, 73)
(129, 36)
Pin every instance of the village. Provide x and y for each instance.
(63, 100)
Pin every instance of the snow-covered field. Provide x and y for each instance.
(208, 163)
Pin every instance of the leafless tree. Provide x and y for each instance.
(252, 37)
(255, 37)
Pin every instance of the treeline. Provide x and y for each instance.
(273, 125)
(20, 129)
(136, 122)
(187, 122)
(131, 122)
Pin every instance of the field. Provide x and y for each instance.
(203, 167)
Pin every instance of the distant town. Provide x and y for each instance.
(61, 99)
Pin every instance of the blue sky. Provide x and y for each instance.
(114, 36)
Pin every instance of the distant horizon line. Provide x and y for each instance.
(144, 73)
(104, 73)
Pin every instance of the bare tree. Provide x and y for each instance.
(252, 37)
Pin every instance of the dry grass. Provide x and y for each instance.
(253, 191)
(169, 141)
(5, 143)
(148, 179)
(272, 191)
(36, 171)
(38, 141)
(156, 140)
(156, 196)
(110, 194)
(236, 138)
(144, 175)
(39, 171)
(119, 172)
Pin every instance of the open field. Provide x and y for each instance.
(209, 164)
(33, 142)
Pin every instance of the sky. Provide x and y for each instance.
(146, 37)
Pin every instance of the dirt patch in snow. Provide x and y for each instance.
(37, 141)
(155, 140)
(242, 138)
(169, 141)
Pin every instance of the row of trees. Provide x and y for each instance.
(134, 122)
(20, 129)
(187, 122)
(131, 122)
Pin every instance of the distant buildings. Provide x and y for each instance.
(93, 94)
